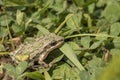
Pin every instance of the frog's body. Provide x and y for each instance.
(38, 50)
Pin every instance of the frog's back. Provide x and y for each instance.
(39, 46)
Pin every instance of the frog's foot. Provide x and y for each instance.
(44, 64)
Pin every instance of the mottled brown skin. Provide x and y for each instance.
(39, 49)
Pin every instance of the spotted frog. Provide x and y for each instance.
(37, 50)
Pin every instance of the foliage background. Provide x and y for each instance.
(87, 25)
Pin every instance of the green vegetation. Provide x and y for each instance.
(91, 29)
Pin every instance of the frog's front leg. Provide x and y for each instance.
(41, 60)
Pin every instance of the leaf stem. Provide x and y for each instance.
(61, 25)
(8, 29)
(98, 35)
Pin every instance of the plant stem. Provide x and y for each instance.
(61, 25)
(8, 29)
(99, 35)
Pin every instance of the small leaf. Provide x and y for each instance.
(3, 31)
(21, 67)
(15, 3)
(79, 2)
(2, 48)
(84, 75)
(35, 75)
(85, 41)
(91, 8)
(59, 5)
(74, 21)
(10, 68)
(27, 23)
(65, 71)
(75, 47)
(116, 42)
(89, 20)
(111, 11)
(101, 3)
(95, 44)
(69, 53)
(19, 17)
(57, 59)
(36, 15)
(3, 21)
(94, 67)
(42, 30)
(115, 51)
(47, 76)
(115, 29)
(18, 30)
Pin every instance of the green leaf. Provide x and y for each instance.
(115, 51)
(3, 31)
(3, 20)
(102, 37)
(75, 47)
(65, 72)
(18, 30)
(1, 2)
(10, 68)
(115, 29)
(35, 75)
(85, 42)
(60, 71)
(96, 44)
(28, 22)
(74, 21)
(111, 12)
(116, 43)
(89, 20)
(36, 15)
(47, 76)
(21, 67)
(59, 5)
(14, 2)
(56, 59)
(19, 17)
(91, 8)
(69, 53)
(84, 75)
(102, 25)
(112, 71)
(87, 3)
(94, 68)
(101, 3)
(2, 48)
(79, 2)
(42, 30)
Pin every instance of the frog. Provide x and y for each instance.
(37, 50)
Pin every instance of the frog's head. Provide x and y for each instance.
(53, 41)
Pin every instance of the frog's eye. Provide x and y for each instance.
(53, 43)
